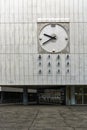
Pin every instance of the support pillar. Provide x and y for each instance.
(37, 97)
(68, 95)
(25, 96)
(1, 97)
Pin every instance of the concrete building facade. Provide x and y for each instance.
(60, 63)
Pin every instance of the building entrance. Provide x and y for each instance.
(76, 95)
(52, 96)
(80, 95)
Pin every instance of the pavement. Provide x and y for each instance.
(43, 117)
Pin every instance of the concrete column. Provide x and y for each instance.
(1, 97)
(37, 97)
(72, 95)
(25, 96)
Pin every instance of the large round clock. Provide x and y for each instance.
(53, 38)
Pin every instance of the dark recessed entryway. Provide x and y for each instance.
(52, 96)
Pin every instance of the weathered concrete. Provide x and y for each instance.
(43, 117)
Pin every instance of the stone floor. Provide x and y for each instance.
(18, 117)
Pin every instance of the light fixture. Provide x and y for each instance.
(39, 71)
(49, 71)
(39, 63)
(48, 56)
(67, 70)
(58, 71)
(58, 57)
(39, 57)
(67, 63)
(67, 56)
(58, 63)
(49, 64)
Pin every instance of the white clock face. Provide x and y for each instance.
(53, 38)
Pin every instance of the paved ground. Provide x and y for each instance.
(43, 117)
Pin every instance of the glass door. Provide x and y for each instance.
(81, 95)
(78, 95)
(85, 95)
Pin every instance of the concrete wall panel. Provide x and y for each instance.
(19, 63)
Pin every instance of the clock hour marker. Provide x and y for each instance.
(53, 50)
(66, 38)
(40, 39)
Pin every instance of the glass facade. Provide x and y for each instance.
(52, 96)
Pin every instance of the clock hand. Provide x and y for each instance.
(47, 41)
(53, 37)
